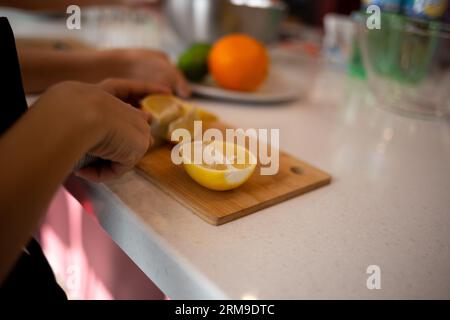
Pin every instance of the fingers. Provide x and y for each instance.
(182, 87)
(180, 84)
(127, 136)
(104, 172)
(147, 116)
(108, 170)
(144, 128)
(94, 174)
(159, 54)
(151, 67)
(128, 90)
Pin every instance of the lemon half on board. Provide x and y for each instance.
(170, 113)
(224, 165)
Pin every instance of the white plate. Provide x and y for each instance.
(277, 88)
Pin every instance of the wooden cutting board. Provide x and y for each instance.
(294, 178)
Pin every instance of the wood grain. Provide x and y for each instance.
(294, 178)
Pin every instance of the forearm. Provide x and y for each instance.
(36, 155)
(42, 68)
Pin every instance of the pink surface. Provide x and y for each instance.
(86, 262)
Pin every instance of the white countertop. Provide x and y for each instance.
(388, 205)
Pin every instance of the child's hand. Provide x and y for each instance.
(144, 65)
(132, 91)
(112, 129)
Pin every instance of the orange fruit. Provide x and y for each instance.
(238, 62)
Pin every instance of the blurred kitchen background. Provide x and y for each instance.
(404, 67)
(405, 63)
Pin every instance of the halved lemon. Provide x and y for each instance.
(222, 166)
(164, 110)
(170, 113)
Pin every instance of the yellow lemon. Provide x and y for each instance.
(222, 165)
(165, 105)
(202, 114)
(159, 105)
(164, 110)
(169, 113)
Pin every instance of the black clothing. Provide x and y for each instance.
(31, 277)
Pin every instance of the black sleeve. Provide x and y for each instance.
(31, 277)
(12, 102)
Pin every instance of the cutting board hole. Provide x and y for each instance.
(296, 170)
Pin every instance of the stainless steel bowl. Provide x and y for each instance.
(207, 20)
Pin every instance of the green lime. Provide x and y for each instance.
(194, 61)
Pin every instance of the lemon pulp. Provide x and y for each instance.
(223, 170)
(170, 113)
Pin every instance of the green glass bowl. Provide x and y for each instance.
(407, 63)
